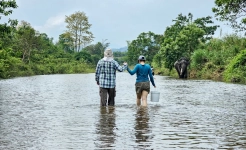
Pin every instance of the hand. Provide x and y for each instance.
(154, 86)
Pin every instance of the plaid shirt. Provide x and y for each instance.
(106, 73)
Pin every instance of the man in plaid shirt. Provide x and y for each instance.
(106, 75)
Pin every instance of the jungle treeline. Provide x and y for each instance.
(222, 58)
(25, 51)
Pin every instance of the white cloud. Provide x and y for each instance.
(52, 22)
(55, 21)
(52, 25)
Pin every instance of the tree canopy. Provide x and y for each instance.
(183, 37)
(78, 28)
(6, 7)
(233, 11)
(147, 44)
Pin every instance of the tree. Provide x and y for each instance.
(6, 7)
(147, 44)
(66, 42)
(7, 29)
(85, 56)
(26, 37)
(183, 37)
(78, 26)
(185, 43)
(97, 49)
(233, 11)
(203, 23)
(119, 54)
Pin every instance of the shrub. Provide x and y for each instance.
(199, 58)
(10, 66)
(236, 70)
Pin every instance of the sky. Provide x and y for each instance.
(116, 21)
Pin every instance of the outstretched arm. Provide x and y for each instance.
(120, 68)
(132, 72)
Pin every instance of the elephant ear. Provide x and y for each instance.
(188, 62)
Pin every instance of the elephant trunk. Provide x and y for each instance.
(183, 69)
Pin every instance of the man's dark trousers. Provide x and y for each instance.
(107, 93)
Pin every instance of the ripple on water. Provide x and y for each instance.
(63, 112)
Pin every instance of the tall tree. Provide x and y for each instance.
(26, 37)
(78, 26)
(233, 11)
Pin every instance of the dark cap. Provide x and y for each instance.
(141, 57)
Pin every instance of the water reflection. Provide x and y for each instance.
(142, 129)
(105, 128)
(62, 112)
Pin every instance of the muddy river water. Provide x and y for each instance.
(63, 112)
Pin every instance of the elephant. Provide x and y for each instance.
(181, 67)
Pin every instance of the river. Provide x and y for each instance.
(63, 112)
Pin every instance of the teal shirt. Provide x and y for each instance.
(144, 73)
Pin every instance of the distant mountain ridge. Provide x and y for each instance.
(122, 49)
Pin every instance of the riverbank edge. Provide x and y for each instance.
(87, 72)
(214, 76)
(29, 71)
(195, 75)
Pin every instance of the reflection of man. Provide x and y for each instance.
(105, 127)
(106, 75)
(142, 127)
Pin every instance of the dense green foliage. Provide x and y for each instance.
(233, 11)
(236, 69)
(211, 58)
(183, 37)
(24, 51)
(45, 61)
(6, 7)
(120, 57)
(147, 44)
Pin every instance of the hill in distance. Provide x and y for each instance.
(122, 49)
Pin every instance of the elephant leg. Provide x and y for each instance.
(182, 76)
(176, 65)
(186, 74)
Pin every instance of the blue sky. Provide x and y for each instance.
(117, 21)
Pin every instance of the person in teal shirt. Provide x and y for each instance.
(144, 76)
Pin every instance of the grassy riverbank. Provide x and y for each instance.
(232, 77)
(21, 69)
(41, 64)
